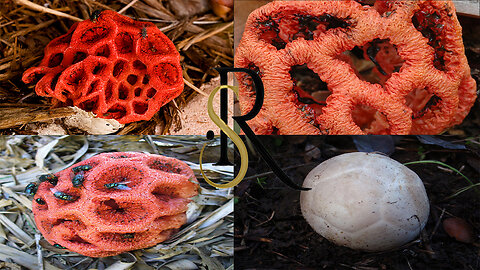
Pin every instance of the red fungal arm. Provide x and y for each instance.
(125, 201)
(113, 66)
(424, 89)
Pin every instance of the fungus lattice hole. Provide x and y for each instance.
(59, 221)
(99, 68)
(54, 82)
(269, 32)
(124, 43)
(93, 87)
(161, 219)
(122, 92)
(309, 82)
(132, 79)
(154, 45)
(385, 8)
(370, 120)
(146, 79)
(103, 51)
(109, 91)
(362, 66)
(69, 102)
(376, 62)
(94, 34)
(164, 193)
(309, 27)
(140, 107)
(79, 56)
(77, 240)
(420, 101)
(366, 2)
(117, 111)
(137, 64)
(384, 56)
(36, 76)
(151, 92)
(120, 212)
(55, 60)
(119, 68)
(279, 29)
(70, 222)
(167, 73)
(430, 23)
(119, 238)
(275, 131)
(89, 105)
(138, 92)
(310, 90)
(75, 77)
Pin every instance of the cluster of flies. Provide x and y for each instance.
(77, 181)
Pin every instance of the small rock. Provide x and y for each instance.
(95, 126)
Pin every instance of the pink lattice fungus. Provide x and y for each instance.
(114, 202)
(424, 84)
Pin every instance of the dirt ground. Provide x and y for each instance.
(271, 233)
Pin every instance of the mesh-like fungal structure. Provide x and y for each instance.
(114, 202)
(111, 65)
(424, 83)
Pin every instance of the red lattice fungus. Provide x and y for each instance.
(113, 66)
(114, 202)
(423, 82)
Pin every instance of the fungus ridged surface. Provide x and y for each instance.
(114, 202)
(424, 83)
(111, 65)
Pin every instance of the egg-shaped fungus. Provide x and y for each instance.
(365, 201)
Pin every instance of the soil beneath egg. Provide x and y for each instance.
(270, 232)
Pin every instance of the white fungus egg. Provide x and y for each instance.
(365, 201)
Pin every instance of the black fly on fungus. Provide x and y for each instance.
(52, 179)
(120, 185)
(63, 196)
(78, 179)
(31, 189)
(40, 201)
(81, 168)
